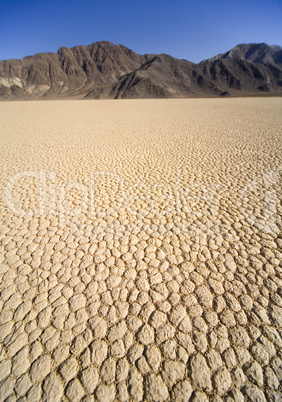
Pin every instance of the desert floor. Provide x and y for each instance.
(141, 250)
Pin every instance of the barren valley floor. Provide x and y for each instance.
(141, 250)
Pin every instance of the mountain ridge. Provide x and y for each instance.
(104, 70)
(67, 71)
(255, 52)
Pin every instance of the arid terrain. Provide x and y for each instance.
(103, 70)
(141, 250)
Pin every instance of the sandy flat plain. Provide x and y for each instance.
(141, 250)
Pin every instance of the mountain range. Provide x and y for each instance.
(103, 70)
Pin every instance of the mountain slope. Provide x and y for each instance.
(255, 52)
(166, 77)
(104, 70)
(67, 72)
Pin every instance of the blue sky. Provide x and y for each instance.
(186, 29)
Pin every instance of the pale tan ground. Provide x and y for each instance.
(141, 250)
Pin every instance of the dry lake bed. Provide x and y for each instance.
(140, 250)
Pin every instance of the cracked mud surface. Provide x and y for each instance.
(141, 250)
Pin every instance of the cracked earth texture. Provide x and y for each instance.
(141, 250)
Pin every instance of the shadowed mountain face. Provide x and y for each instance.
(166, 77)
(104, 70)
